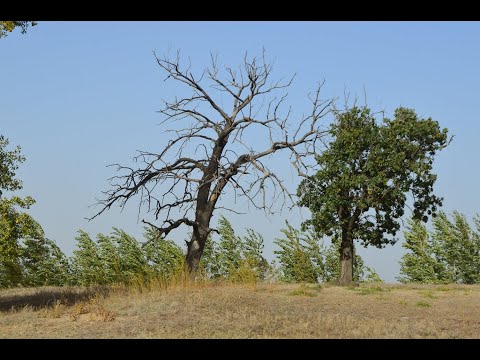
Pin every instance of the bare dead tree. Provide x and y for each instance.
(210, 152)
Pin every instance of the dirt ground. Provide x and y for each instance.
(243, 311)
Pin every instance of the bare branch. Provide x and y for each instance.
(211, 149)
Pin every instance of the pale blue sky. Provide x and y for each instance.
(80, 95)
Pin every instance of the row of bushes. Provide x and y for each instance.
(120, 258)
(449, 253)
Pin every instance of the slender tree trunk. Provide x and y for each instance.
(346, 259)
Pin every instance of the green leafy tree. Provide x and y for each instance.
(233, 257)
(448, 254)
(110, 260)
(15, 225)
(418, 265)
(253, 244)
(44, 263)
(163, 256)
(8, 26)
(230, 248)
(457, 247)
(293, 256)
(87, 266)
(364, 176)
(133, 264)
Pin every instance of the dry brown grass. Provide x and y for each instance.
(214, 310)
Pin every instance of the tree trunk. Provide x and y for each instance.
(346, 259)
(195, 250)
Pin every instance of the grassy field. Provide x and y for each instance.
(214, 310)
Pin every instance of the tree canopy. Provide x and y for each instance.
(8, 26)
(15, 225)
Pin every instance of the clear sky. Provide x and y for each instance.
(78, 96)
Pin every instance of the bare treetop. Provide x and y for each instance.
(211, 148)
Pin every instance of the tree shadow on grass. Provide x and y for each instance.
(36, 299)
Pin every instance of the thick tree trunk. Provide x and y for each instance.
(194, 253)
(195, 250)
(346, 259)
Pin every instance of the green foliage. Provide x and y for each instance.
(9, 26)
(163, 256)
(87, 266)
(15, 225)
(303, 257)
(133, 263)
(457, 247)
(229, 248)
(253, 254)
(210, 263)
(120, 258)
(419, 265)
(44, 263)
(423, 304)
(366, 172)
(371, 276)
(294, 256)
(110, 260)
(9, 162)
(235, 258)
(448, 254)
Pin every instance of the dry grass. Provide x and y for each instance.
(215, 310)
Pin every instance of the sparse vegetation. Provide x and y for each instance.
(302, 291)
(260, 310)
(423, 304)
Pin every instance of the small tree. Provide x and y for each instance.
(229, 248)
(294, 258)
(304, 257)
(359, 191)
(233, 257)
(87, 266)
(44, 263)
(133, 264)
(164, 257)
(457, 247)
(253, 254)
(419, 265)
(110, 260)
